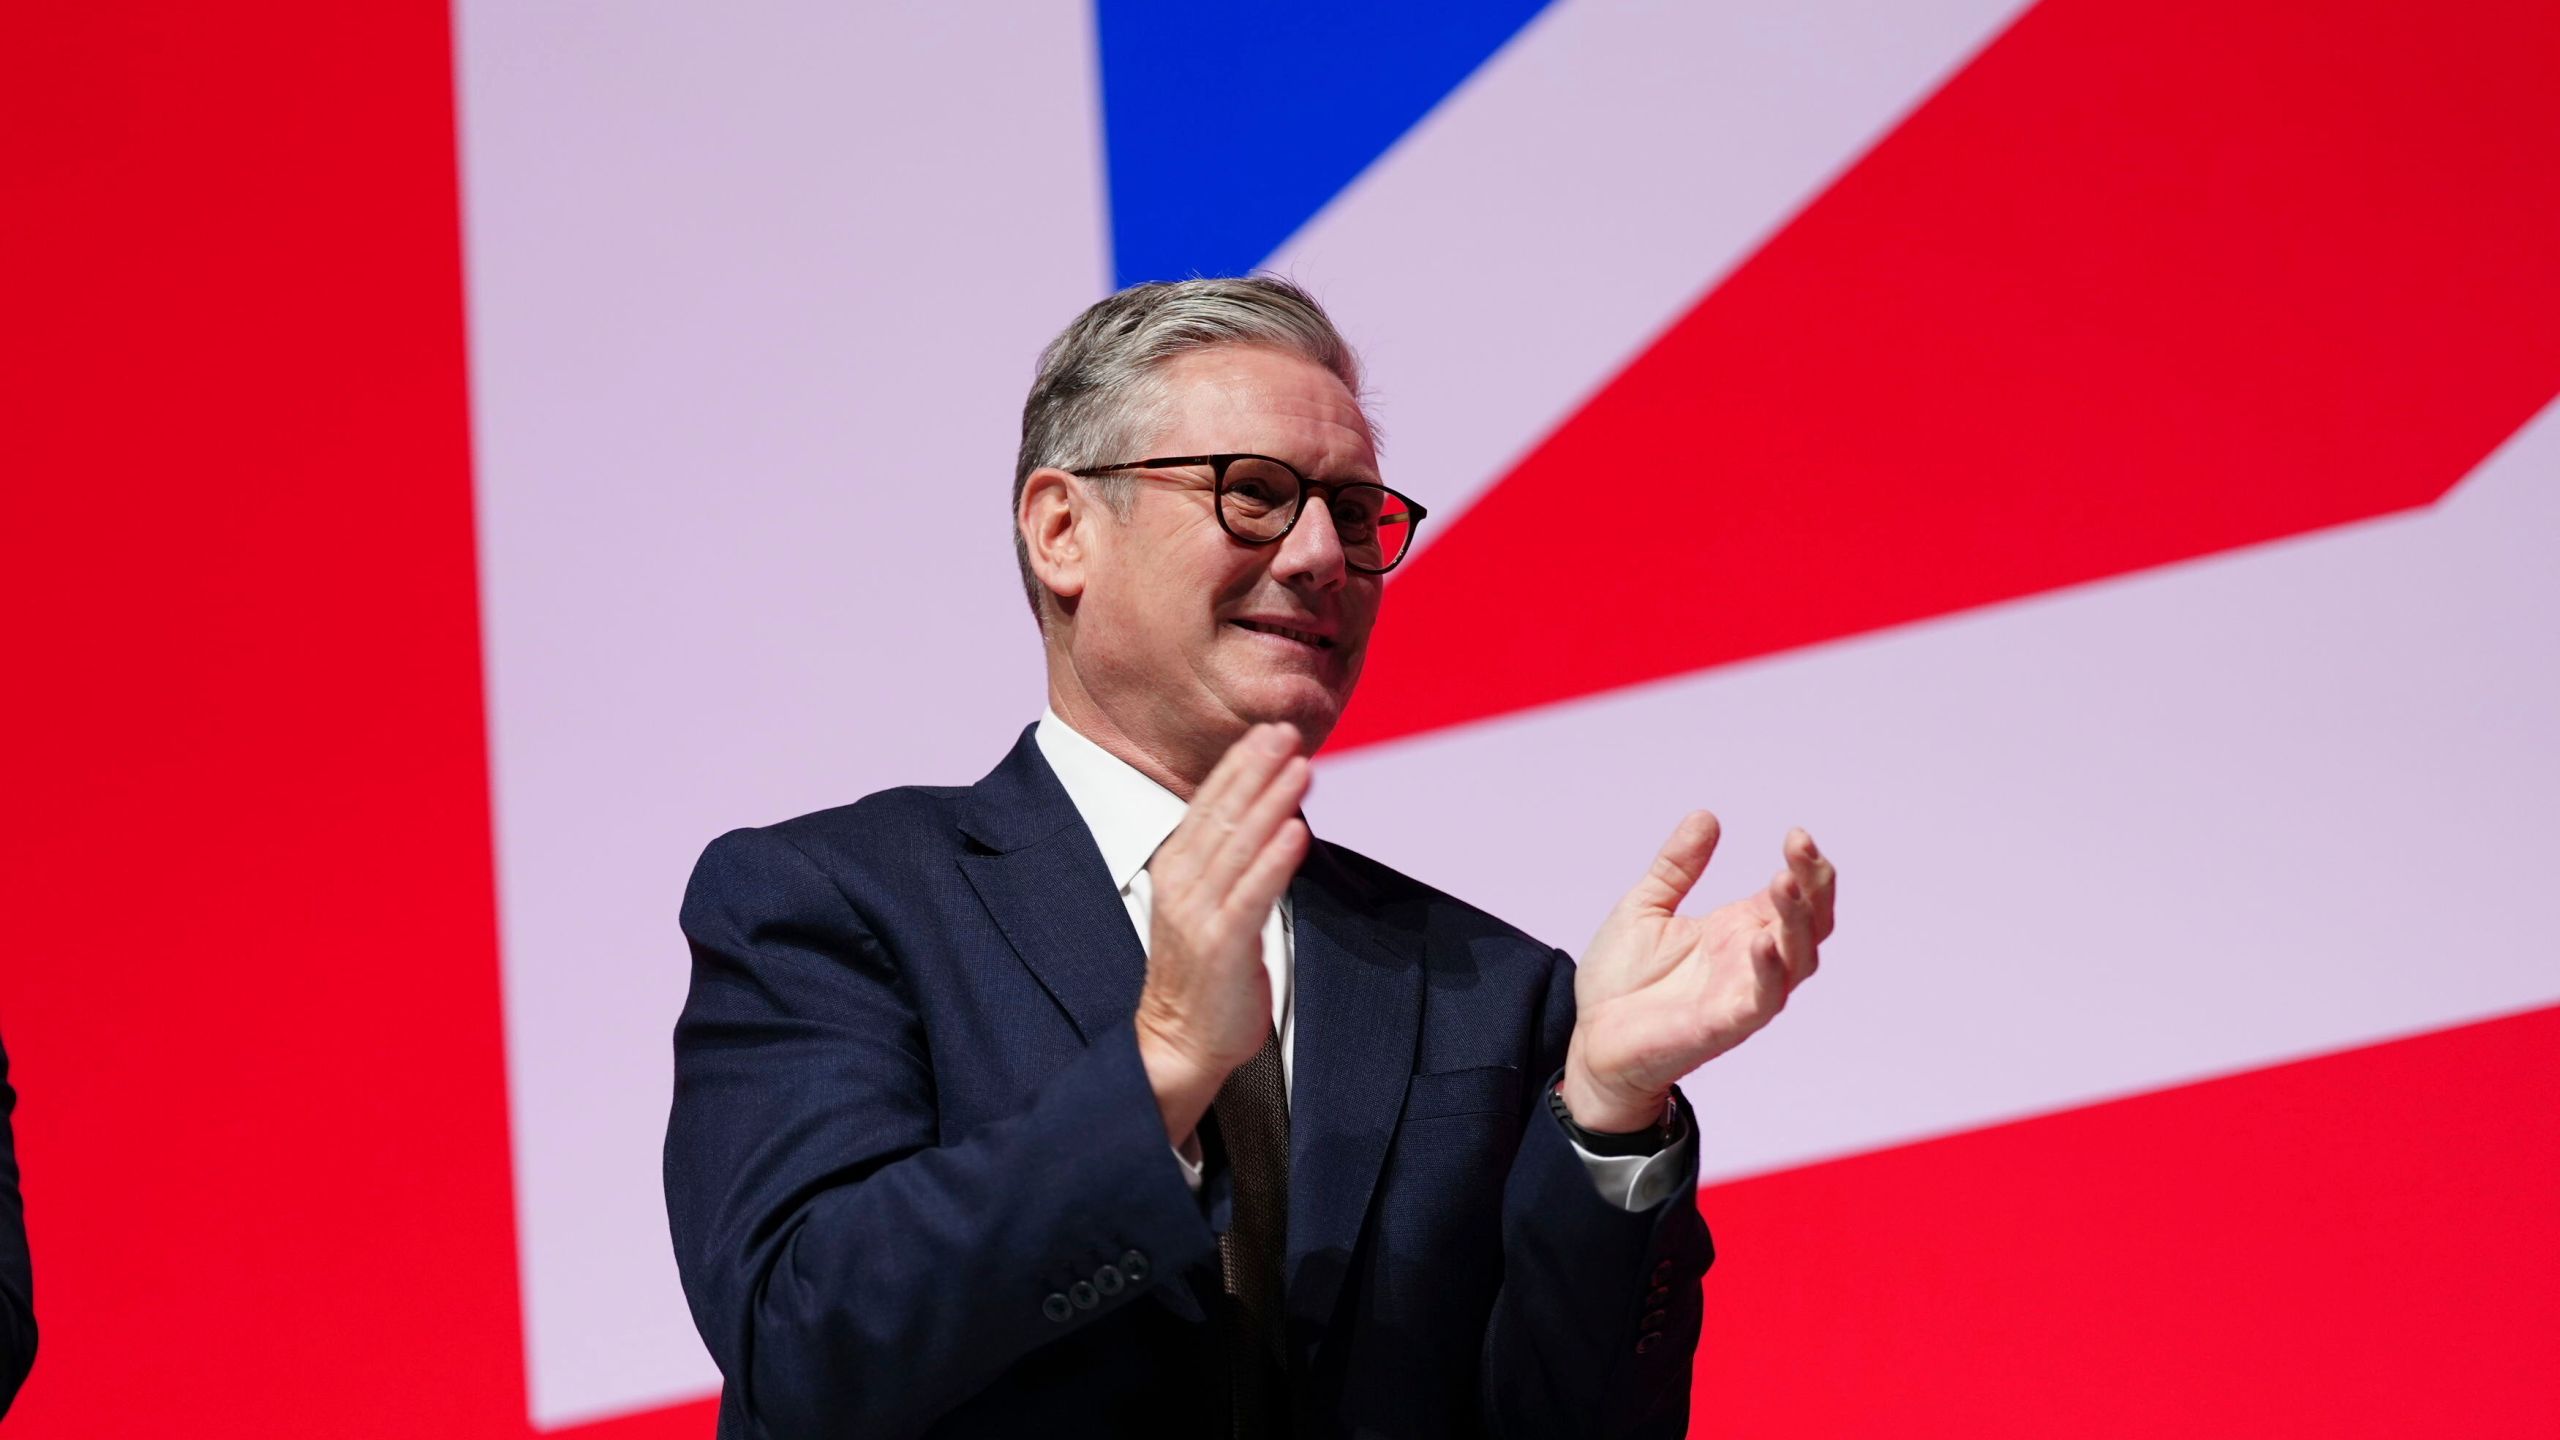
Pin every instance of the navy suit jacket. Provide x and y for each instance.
(909, 1111)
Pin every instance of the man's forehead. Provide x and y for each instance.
(1244, 397)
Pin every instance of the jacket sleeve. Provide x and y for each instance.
(853, 1270)
(1595, 1329)
(17, 1285)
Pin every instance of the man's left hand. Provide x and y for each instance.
(1657, 994)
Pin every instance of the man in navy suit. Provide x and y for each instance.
(1099, 1098)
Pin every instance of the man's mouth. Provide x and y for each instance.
(1303, 637)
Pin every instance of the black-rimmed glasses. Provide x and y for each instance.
(1259, 500)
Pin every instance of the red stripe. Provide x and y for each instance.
(2357, 1245)
(2144, 282)
(252, 988)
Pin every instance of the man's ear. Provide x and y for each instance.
(1054, 518)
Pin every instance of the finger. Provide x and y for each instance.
(1237, 849)
(1814, 871)
(1250, 748)
(1259, 887)
(1796, 945)
(1677, 865)
(1248, 764)
(1770, 968)
(1245, 768)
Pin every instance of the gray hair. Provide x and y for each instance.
(1099, 392)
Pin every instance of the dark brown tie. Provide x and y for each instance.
(1253, 1124)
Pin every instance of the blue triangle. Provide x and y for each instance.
(1228, 125)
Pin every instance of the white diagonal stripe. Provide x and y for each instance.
(2251, 807)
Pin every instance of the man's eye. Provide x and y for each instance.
(1356, 510)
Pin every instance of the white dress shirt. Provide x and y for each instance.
(1130, 815)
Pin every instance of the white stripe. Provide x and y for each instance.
(2244, 809)
(753, 306)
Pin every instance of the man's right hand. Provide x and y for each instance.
(1207, 1004)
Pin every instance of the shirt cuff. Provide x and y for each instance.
(1188, 1156)
(1640, 1182)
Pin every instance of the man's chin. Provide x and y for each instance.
(1314, 709)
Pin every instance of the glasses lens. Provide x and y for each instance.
(1375, 525)
(1258, 499)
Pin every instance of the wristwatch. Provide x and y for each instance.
(1650, 1140)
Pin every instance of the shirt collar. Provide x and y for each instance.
(1129, 814)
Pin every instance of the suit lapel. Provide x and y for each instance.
(1358, 983)
(1358, 986)
(1045, 885)
(1048, 891)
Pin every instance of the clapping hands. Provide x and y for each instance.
(1657, 993)
(1207, 1003)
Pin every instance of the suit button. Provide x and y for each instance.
(1108, 1281)
(1134, 1266)
(1648, 1344)
(1083, 1294)
(1662, 1273)
(1056, 1306)
(1653, 1320)
(1657, 1295)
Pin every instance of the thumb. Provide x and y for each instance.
(1677, 866)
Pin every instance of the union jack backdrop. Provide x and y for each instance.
(2092, 463)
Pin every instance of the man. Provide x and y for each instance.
(17, 1285)
(1098, 1098)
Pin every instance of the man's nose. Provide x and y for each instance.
(1311, 553)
